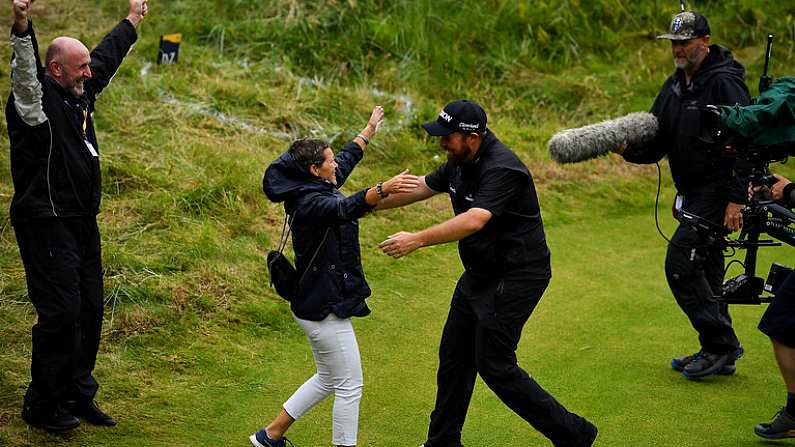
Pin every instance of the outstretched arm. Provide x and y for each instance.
(373, 124)
(455, 229)
(352, 153)
(420, 192)
(26, 68)
(107, 57)
(138, 9)
(403, 183)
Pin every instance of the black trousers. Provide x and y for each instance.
(63, 269)
(480, 337)
(694, 270)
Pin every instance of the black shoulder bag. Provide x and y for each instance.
(283, 276)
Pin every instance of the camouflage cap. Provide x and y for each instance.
(686, 26)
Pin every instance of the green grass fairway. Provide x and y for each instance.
(601, 341)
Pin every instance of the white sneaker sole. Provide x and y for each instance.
(254, 442)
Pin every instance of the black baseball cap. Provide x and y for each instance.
(458, 116)
(687, 25)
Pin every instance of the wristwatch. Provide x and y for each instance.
(380, 191)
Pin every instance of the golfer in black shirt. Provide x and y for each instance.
(506, 260)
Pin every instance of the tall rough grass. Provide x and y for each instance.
(449, 45)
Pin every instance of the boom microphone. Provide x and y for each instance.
(585, 143)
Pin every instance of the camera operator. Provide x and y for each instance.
(778, 323)
(706, 184)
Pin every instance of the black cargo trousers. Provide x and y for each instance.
(694, 269)
(63, 269)
(480, 337)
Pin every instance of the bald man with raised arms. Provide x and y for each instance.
(57, 189)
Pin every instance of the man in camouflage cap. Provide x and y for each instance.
(706, 182)
(687, 26)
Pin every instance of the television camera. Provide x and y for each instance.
(760, 216)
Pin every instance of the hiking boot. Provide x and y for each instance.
(705, 364)
(679, 363)
(261, 439)
(90, 412)
(782, 426)
(56, 419)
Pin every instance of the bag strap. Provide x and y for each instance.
(314, 256)
(285, 232)
(286, 228)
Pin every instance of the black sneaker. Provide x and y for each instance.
(729, 368)
(56, 419)
(679, 363)
(782, 426)
(90, 412)
(705, 364)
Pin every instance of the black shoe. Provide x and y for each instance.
(90, 412)
(679, 363)
(782, 426)
(729, 368)
(705, 364)
(589, 434)
(53, 420)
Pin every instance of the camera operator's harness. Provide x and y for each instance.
(760, 133)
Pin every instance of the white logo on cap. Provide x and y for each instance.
(677, 24)
(468, 126)
(445, 116)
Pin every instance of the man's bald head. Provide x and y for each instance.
(68, 63)
(63, 48)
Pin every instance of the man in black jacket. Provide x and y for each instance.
(57, 190)
(502, 245)
(706, 183)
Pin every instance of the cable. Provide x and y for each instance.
(657, 203)
(730, 254)
(657, 219)
(726, 270)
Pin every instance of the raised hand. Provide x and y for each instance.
(138, 9)
(371, 128)
(376, 118)
(21, 12)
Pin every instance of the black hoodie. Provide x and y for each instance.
(335, 281)
(696, 165)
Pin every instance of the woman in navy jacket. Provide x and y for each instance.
(326, 244)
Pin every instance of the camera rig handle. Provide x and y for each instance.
(765, 80)
(760, 217)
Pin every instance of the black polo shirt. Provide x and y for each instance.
(512, 245)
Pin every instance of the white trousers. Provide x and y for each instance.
(339, 370)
